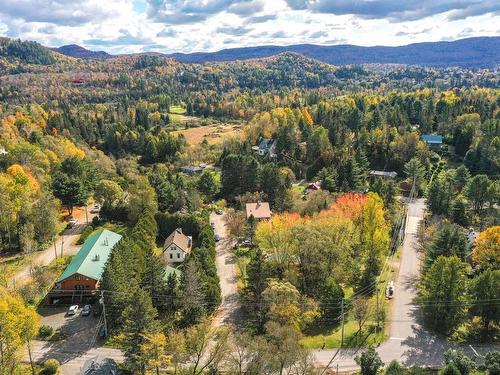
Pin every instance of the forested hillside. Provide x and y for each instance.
(469, 53)
(305, 137)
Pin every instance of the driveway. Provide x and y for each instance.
(63, 245)
(229, 310)
(79, 341)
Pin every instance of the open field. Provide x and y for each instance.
(212, 133)
(177, 110)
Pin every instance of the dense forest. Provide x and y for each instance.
(74, 132)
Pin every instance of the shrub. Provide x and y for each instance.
(51, 366)
(450, 369)
(463, 363)
(369, 361)
(395, 368)
(492, 362)
(45, 331)
(85, 233)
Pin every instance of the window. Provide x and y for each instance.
(171, 255)
(172, 248)
(77, 277)
(178, 255)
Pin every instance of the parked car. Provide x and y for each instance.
(86, 310)
(217, 238)
(96, 209)
(72, 222)
(389, 291)
(73, 310)
(219, 211)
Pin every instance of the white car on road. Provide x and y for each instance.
(72, 310)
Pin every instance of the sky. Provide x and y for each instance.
(129, 26)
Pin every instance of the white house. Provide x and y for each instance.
(177, 246)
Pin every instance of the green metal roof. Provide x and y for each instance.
(92, 257)
(169, 270)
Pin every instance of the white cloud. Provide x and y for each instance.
(125, 26)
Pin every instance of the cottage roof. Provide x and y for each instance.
(265, 143)
(179, 239)
(314, 186)
(259, 210)
(92, 257)
(383, 174)
(193, 168)
(432, 139)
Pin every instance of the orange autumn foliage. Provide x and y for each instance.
(348, 206)
(23, 177)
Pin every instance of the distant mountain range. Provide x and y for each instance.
(480, 52)
(75, 50)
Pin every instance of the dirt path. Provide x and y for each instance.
(229, 310)
(64, 245)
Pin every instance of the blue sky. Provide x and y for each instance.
(125, 26)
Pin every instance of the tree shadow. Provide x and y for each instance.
(76, 335)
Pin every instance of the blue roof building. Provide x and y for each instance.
(432, 139)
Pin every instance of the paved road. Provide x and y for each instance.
(409, 342)
(71, 358)
(226, 269)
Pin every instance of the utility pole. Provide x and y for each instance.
(86, 214)
(62, 244)
(104, 313)
(342, 314)
(378, 313)
(55, 247)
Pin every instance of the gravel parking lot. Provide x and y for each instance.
(77, 333)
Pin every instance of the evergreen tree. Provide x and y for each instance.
(331, 297)
(443, 294)
(416, 171)
(153, 280)
(449, 240)
(459, 211)
(256, 284)
(192, 302)
(485, 293)
(139, 320)
(476, 191)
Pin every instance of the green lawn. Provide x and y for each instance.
(112, 226)
(177, 110)
(332, 337)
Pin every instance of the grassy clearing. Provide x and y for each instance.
(177, 110)
(299, 188)
(332, 337)
(211, 133)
